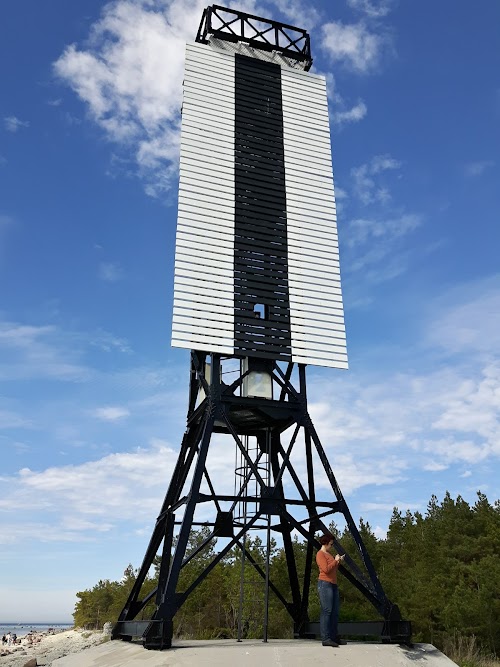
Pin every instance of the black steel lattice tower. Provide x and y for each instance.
(257, 283)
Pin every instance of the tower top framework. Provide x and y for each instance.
(257, 269)
(223, 27)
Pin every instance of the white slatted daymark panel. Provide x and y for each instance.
(317, 324)
(203, 316)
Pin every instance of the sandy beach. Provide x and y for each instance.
(47, 647)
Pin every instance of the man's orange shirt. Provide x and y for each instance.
(328, 566)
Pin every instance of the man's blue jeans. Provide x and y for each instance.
(330, 605)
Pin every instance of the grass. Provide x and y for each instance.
(466, 653)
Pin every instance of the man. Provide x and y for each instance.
(328, 591)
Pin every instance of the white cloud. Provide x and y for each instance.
(340, 113)
(475, 408)
(427, 421)
(50, 352)
(90, 498)
(363, 230)
(434, 466)
(103, 340)
(11, 420)
(373, 247)
(110, 272)
(382, 163)
(13, 124)
(353, 45)
(111, 413)
(130, 77)
(388, 507)
(474, 169)
(302, 15)
(353, 115)
(372, 8)
(28, 351)
(468, 319)
(452, 450)
(365, 183)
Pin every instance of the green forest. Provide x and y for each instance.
(442, 568)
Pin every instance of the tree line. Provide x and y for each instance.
(442, 568)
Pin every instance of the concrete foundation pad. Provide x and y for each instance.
(254, 653)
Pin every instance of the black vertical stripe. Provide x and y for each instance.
(260, 257)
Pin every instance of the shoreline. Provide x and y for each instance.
(47, 647)
(23, 629)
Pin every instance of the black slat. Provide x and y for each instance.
(259, 147)
(264, 123)
(260, 97)
(285, 356)
(241, 217)
(260, 192)
(247, 349)
(248, 323)
(248, 63)
(251, 206)
(249, 125)
(259, 257)
(261, 266)
(262, 288)
(241, 276)
(248, 183)
(256, 244)
(269, 274)
(248, 162)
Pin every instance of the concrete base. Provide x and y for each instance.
(254, 653)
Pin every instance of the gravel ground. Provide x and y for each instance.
(50, 647)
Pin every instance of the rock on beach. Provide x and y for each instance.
(45, 647)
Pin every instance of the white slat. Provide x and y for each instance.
(206, 311)
(206, 254)
(224, 216)
(203, 234)
(191, 266)
(298, 359)
(221, 284)
(336, 336)
(205, 346)
(185, 324)
(197, 244)
(324, 324)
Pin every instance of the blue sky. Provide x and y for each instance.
(92, 397)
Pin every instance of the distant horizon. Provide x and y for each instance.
(37, 623)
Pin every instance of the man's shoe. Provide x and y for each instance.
(330, 642)
(340, 642)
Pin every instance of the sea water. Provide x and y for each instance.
(21, 629)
